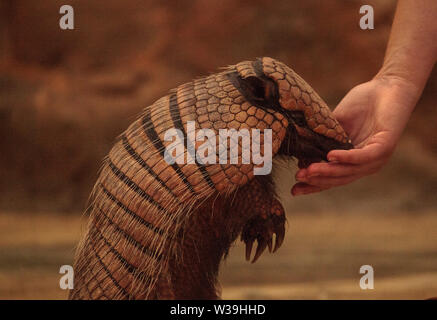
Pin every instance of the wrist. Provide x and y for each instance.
(401, 80)
(399, 93)
(400, 69)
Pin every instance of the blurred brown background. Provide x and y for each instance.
(66, 94)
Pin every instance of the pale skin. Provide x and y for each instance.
(375, 113)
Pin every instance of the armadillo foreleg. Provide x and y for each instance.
(264, 216)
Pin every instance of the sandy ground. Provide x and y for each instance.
(320, 258)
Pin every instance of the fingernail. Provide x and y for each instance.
(301, 174)
(301, 178)
(298, 193)
(312, 175)
(295, 193)
(332, 159)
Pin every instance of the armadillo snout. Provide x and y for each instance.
(313, 130)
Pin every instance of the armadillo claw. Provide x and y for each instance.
(249, 245)
(280, 234)
(262, 228)
(278, 230)
(270, 244)
(262, 245)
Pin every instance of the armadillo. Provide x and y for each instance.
(160, 229)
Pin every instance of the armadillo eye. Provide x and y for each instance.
(255, 88)
(299, 118)
(261, 89)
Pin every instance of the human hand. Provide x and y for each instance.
(374, 115)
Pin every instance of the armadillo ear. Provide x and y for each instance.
(260, 89)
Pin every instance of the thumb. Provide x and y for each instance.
(343, 110)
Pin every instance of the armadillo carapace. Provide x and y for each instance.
(159, 230)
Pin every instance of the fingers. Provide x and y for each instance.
(345, 167)
(329, 182)
(335, 169)
(368, 154)
(320, 184)
(301, 188)
(324, 176)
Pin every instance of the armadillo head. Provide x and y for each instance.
(312, 129)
